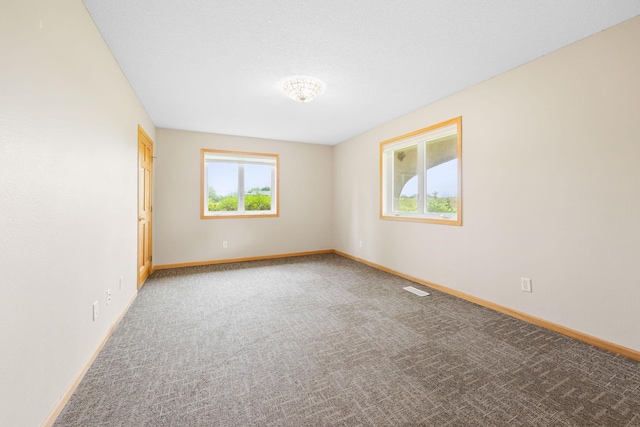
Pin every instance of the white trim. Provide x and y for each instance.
(241, 159)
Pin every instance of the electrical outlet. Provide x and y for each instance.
(224, 244)
(360, 243)
(108, 296)
(95, 310)
(120, 284)
(525, 284)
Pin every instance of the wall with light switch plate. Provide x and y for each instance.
(68, 193)
(550, 173)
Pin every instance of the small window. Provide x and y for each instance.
(421, 175)
(239, 184)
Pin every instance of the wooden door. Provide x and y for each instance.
(145, 207)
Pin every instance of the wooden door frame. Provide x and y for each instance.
(143, 137)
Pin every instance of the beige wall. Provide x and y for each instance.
(306, 201)
(550, 176)
(551, 166)
(68, 165)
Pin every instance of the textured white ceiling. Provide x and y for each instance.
(219, 65)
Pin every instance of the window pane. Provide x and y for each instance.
(257, 187)
(236, 184)
(442, 188)
(421, 173)
(223, 186)
(405, 182)
(441, 163)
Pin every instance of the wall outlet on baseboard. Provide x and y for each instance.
(360, 243)
(95, 310)
(525, 284)
(108, 296)
(120, 284)
(224, 244)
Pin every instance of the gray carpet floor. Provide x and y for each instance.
(323, 340)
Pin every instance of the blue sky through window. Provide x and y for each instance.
(257, 176)
(223, 177)
(442, 178)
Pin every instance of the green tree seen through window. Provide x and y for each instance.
(256, 199)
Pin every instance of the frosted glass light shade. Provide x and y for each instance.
(303, 89)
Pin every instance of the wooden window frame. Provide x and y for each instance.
(421, 136)
(242, 158)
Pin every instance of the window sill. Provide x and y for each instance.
(229, 215)
(433, 219)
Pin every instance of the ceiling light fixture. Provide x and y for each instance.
(303, 88)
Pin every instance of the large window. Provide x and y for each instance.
(421, 175)
(239, 184)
